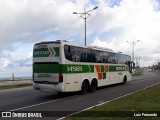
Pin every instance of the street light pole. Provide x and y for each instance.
(158, 64)
(85, 19)
(85, 15)
(139, 61)
(133, 44)
(136, 62)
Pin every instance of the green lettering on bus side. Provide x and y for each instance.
(116, 68)
(42, 52)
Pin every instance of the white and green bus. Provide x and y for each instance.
(63, 67)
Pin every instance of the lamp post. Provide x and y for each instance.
(139, 61)
(136, 62)
(158, 64)
(85, 15)
(133, 44)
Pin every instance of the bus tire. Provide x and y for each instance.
(124, 80)
(93, 85)
(84, 87)
(61, 93)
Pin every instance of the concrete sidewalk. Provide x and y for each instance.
(15, 82)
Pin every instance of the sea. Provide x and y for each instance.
(16, 78)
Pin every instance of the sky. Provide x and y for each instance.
(26, 22)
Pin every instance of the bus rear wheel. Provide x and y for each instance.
(85, 87)
(93, 86)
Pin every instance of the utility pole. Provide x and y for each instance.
(13, 76)
(136, 62)
(139, 61)
(85, 15)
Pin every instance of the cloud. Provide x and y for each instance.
(138, 20)
(9, 61)
(31, 21)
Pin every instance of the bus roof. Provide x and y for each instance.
(49, 42)
(65, 42)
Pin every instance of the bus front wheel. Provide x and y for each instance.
(124, 80)
(85, 87)
(93, 86)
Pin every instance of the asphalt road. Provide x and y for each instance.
(62, 105)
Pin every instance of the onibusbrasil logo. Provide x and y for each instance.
(21, 114)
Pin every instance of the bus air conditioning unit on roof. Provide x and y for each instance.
(100, 48)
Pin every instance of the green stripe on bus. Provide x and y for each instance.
(70, 68)
(60, 68)
(91, 68)
(46, 68)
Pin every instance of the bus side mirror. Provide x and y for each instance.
(133, 65)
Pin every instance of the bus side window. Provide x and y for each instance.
(98, 56)
(66, 52)
(73, 53)
(105, 57)
(79, 54)
(69, 52)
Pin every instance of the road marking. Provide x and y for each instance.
(108, 101)
(100, 102)
(41, 103)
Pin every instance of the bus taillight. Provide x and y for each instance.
(60, 78)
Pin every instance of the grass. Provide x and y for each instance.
(146, 100)
(15, 86)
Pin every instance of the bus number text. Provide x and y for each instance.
(74, 68)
